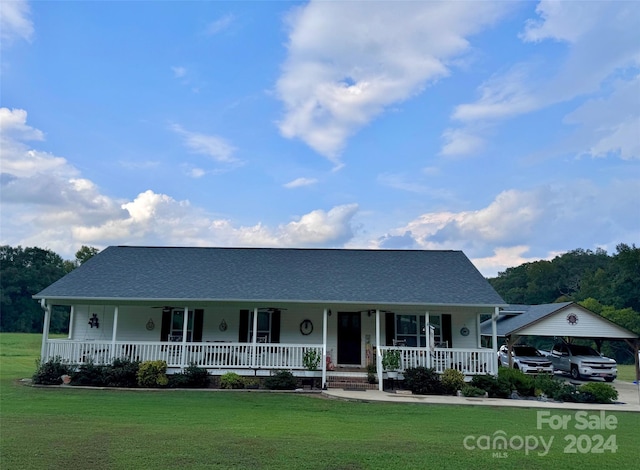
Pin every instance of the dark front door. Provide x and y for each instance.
(349, 338)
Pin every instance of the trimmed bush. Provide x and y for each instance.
(281, 380)
(153, 374)
(495, 387)
(471, 391)
(192, 377)
(423, 381)
(597, 392)
(50, 372)
(90, 375)
(452, 381)
(518, 381)
(231, 380)
(122, 373)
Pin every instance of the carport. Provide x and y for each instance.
(566, 319)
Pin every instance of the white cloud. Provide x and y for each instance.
(610, 125)
(14, 20)
(461, 142)
(348, 61)
(498, 233)
(47, 203)
(300, 182)
(210, 145)
(598, 40)
(179, 72)
(220, 24)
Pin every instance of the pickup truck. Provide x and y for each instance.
(582, 361)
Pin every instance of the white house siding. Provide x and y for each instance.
(588, 325)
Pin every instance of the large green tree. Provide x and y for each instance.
(23, 273)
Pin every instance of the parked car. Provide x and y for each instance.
(582, 361)
(526, 358)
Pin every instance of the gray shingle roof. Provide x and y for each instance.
(508, 323)
(306, 275)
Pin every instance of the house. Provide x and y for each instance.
(255, 310)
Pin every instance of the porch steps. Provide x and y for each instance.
(350, 383)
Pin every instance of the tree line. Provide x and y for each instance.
(25, 272)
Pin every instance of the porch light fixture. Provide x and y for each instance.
(93, 321)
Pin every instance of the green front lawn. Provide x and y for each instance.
(110, 429)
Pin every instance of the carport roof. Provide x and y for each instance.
(516, 318)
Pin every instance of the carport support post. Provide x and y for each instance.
(509, 351)
(494, 339)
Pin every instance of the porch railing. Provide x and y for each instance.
(207, 355)
(468, 361)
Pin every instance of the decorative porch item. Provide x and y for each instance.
(306, 327)
(223, 325)
(311, 360)
(94, 321)
(391, 362)
(150, 324)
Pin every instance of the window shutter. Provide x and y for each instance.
(390, 327)
(275, 326)
(198, 318)
(243, 330)
(446, 329)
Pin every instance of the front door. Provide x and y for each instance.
(349, 338)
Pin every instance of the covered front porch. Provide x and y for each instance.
(205, 338)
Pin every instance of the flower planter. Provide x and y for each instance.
(392, 374)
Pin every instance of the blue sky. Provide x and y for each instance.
(508, 130)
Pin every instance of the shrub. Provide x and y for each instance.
(548, 385)
(50, 372)
(597, 392)
(251, 382)
(372, 374)
(471, 391)
(495, 387)
(423, 381)
(452, 381)
(518, 381)
(281, 380)
(122, 373)
(90, 375)
(153, 374)
(231, 380)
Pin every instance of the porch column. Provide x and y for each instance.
(113, 333)
(45, 328)
(494, 339)
(427, 340)
(378, 354)
(478, 331)
(185, 331)
(254, 338)
(71, 319)
(324, 349)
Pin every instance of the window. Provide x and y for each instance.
(411, 329)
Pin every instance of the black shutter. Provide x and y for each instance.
(275, 326)
(446, 330)
(243, 330)
(198, 318)
(166, 325)
(390, 327)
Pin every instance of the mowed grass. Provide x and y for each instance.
(65, 427)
